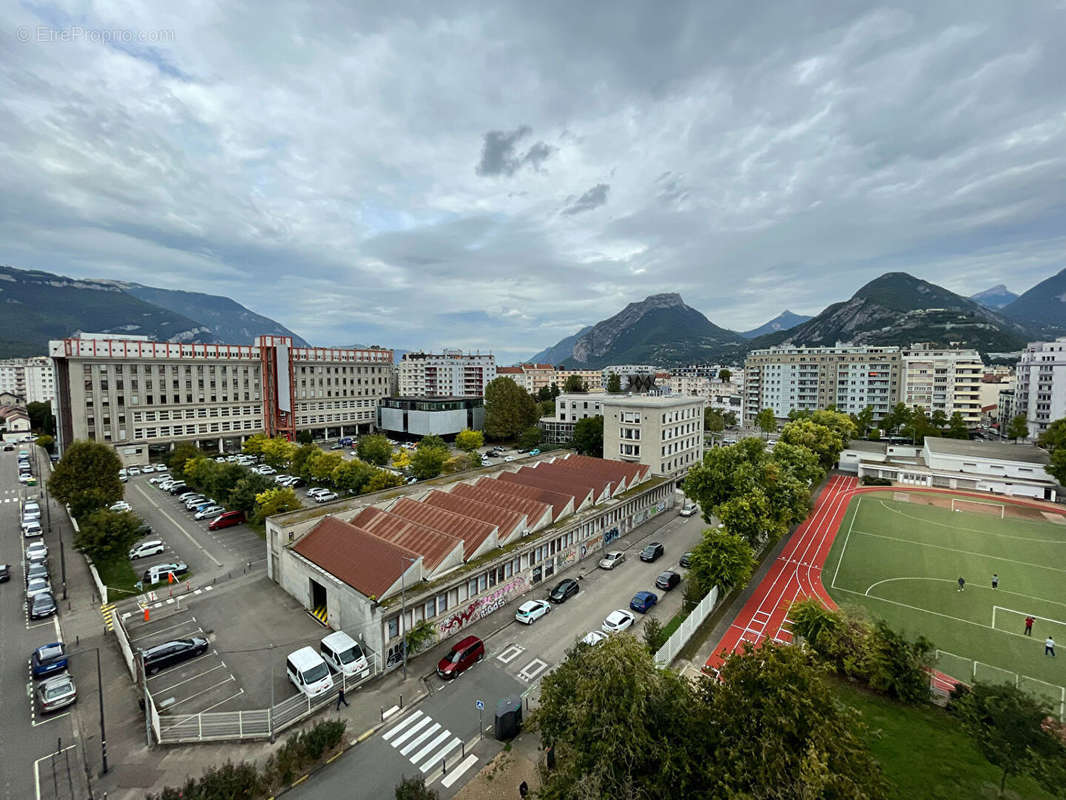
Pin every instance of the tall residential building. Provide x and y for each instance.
(943, 380)
(665, 432)
(452, 373)
(569, 408)
(32, 379)
(140, 395)
(849, 377)
(1040, 389)
(540, 376)
(720, 395)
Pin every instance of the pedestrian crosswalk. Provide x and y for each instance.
(422, 741)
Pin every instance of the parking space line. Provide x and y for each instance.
(192, 678)
(205, 691)
(220, 702)
(169, 628)
(179, 527)
(46, 720)
(37, 772)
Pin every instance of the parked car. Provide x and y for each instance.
(281, 479)
(668, 580)
(344, 655)
(564, 590)
(266, 469)
(174, 652)
(38, 570)
(158, 479)
(226, 519)
(159, 572)
(31, 510)
(177, 488)
(209, 512)
(689, 509)
(144, 529)
(131, 471)
(316, 491)
(36, 586)
(145, 549)
(42, 605)
(593, 638)
(534, 452)
(531, 610)
(509, 459)
(337, 446)
(121, 505)
(56, 693)
(686, 560)
(308, 672)
(612, 559)
(652, 551)
(48, 659)
(617, 621)
(36, 551)
(158, 468)
(191, 501)
(643, 601)
(326, 497)
(31, 528)
(5, 573)
(461, 657)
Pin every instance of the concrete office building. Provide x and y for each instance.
(850, 377)
(943, 380)
(1040, 387)
(452, 373)
(569, 408)
(1005, 410)
(430, 416)
(663, 432)
(31, 379)
(139, 395)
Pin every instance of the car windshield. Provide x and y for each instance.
(316, 673)
(353, 653)
(455, 656)
(43, 601)
(57, 690)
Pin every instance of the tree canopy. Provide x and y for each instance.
(428, 462)
(574, 383)
(765, 421)
(469, 440)
(374, 449)
(721, 559)
(1018, 428)
(182, 452)
(86, 477)
(588, 436)
(41, 418)
(275, 501)
(107, 535)
(529, 438)
(614, 383)
(509, 409)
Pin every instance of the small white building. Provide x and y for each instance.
(569, 408)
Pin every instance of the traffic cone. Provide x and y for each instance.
(146, 613)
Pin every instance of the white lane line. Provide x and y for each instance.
(168, 628)
(192, 678)
(395, 730)
(414, 729)
(414, 743)
(437, 757)
(417, 757)
(177, 525)
(205, 691)
(457, 771)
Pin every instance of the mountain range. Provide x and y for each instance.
(893, 309)
(995, 298)
(36, 306)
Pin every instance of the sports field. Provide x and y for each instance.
(900, 553)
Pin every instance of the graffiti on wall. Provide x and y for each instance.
(483, 606)
(568, 556)
(611, 535)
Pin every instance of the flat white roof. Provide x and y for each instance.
(652, 401)
(999, 451)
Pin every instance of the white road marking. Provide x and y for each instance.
(457, 771)
(437, 757)
(399, 727)
(421, 754)
(411, 731)
(414, 743)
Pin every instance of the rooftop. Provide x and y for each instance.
(650, 400)
(864, 446)
(1028, 453)
(366, 562)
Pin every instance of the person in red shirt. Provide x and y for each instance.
(1029, 625)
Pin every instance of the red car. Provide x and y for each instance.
(462, 656)
(226, 519)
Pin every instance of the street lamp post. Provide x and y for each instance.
(103, 732)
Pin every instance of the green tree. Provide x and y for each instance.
(574, 383)
(554, 389)
(725, 472)
(197, 470)
(825, 442)
(275, 501)
(321, 465)
(725, 375)
(253, 445)
(382, 479)
(427, 462)
(47, 442)
(106, 535)
(1051, 439)
(509, 409)
(300, 458)
(278, 452)
(898, 665)
(919, 425)
(938, 420)
(957, 427)
(653, 635)
(457, 463)
(838, 422)
(529, 438)
(305, 437)
(812, 620)
(864, 420)
(1008, 727)
(765, 421)
(749, 516)
(432, 442)
(222, 481)
(802, 462)
(730, 418)
(614, 383)
(247, 489)
(41, 418)
(1018, 428)
(86, 477)
(415, 789)
(544, 395)
(469, 441)
(351, 476)
(588, 436)
(721, 559)
(713, 421)
(1057, 467)
(181, 453)
(546, 408)
(375, 449)
(895, 419)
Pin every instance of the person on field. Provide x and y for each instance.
(1029, 625)
(995, 580)
(1049, 647)
(962, 584)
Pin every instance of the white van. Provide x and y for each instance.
(308, 672)
(344, 655)
(149, 548)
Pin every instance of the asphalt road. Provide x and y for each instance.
(26, 737)
(517, 658)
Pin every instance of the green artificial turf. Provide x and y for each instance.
(901, 561)
(924, 752)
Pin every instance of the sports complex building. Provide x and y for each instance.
(454, 549)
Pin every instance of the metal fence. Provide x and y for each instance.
(969, 670)
(668, 652)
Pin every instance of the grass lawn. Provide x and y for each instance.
(925, 754)
(119, 578)
(900, 558)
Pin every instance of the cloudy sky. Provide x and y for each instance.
(495, 176)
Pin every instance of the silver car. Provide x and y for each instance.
(612, 559)
(56, 693)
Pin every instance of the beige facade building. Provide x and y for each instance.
(140, 395)
(31, 379)
(518, 375)
(943, 380)
(663, 432)
(569, 408)
(592, 378)
(849, 377)
(452, 373)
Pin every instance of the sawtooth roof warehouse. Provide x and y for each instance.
(455, 548)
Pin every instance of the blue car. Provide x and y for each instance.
(48, 660)
(643, 601)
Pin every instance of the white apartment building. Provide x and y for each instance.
(142, 396)
(1040, 389)
(451, 373)
(32, 379)
(943, 380)
(720, 395)
(592, 378)
(664, 432)
(569, 408)
(849, 377)
(518, 375)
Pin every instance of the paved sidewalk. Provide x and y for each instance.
(501, 777)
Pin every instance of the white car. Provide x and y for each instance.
(133, 470)
(593, 638)
(158, 479)
(532, 610)
(31, 529)
(485, 462)
(37, 586)
(209, 512)
(316, 491)
(281, 479)
(36, 551)
(31, 511)
(612, 559)
(121, 505)
(689, 509)
(265, 469)
(509, 459)
(325, 498)
(149, 548)
(617, 621)
(157, 467)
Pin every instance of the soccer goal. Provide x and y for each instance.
(1013, 621)
(979, 506)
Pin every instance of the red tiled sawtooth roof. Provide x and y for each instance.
(436, 547)
(562, 504)
(474, 533)
(539, 514)
(509, 524)
(583, 494)
(367, 563)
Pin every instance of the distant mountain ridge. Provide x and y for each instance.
(995, 298)
(37, 306)
(784, 321)
(1042, 308)
(559, 352)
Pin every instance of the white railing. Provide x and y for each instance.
(668, 652)
(124, 646)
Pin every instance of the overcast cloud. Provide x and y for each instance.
(496, 176)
